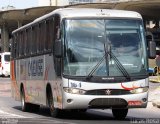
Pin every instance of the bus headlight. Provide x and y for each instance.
(74, 90)
(140, 90)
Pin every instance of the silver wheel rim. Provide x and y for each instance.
(23, 102)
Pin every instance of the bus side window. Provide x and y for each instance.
(21, 43)
(36, 37)
(29, 40)
(49, 34)
(25, 42)
(0, 61)
(47, 43)
(42, 37)
(33, 49)
(17, 46)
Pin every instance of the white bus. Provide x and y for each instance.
(77, 59)
(5, 64)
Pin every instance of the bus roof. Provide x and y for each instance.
(90, 12)
(86, 13)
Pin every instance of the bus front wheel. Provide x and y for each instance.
(54, 112)
(119, 114)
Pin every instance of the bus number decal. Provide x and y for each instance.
(75, 85)
(35, 68)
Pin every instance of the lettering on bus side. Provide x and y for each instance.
(35, 68)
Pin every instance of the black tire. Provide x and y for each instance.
(25, 106)
(119, 114)
(54, 112)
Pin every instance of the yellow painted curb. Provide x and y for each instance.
(155, 79)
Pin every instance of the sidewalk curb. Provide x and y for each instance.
(154, 81)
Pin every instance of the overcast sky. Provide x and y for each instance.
(19, 4)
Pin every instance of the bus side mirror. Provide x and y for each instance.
(152, 49)
(58, 56)
(58, 49)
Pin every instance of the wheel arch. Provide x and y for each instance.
(48, 90)
(21, 87)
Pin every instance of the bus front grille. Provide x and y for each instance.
(108, 103)
(108, 92)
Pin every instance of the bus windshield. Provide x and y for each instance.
(7, 58)
(86, 42)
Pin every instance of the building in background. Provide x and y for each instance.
(112, 1)
(64, 2)
(70, 2)
(44, 2)
(5, 8)
(53, 2)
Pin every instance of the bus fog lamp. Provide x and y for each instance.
(144, 100)
(69, 100)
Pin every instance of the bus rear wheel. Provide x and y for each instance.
(119, 114)
(54, 112)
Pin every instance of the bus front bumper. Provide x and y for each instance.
(75, 101)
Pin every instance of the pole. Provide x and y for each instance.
(56, 3)
(50, 2)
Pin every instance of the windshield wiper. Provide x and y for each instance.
(118, 63)
(98, 64)
(95, 68)
(120, 66)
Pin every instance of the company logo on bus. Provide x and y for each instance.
(108, 92)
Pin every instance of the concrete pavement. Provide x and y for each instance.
(154, 95)
(5, 88)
